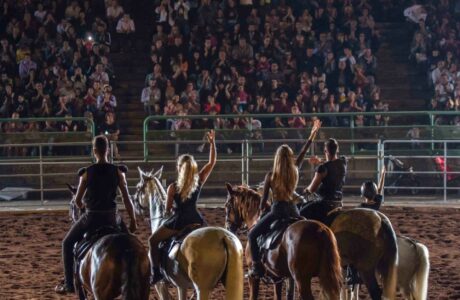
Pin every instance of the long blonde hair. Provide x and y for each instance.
(187, 180)
(285, 174)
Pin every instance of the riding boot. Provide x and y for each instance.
(156, 276)
(257, 270)
(63, 289)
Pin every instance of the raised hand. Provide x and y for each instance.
(315, 129)
(211, 136)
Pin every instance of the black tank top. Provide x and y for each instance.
(332, 183)
(188, 205)
(102, 185)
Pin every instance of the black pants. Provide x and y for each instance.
(279, 210)
(88, 221)
(318, 209)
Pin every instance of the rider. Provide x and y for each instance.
(100, 181)
(282, 181)
(372, 193)
(327, 183)
(184, 193)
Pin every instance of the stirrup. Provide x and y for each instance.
(64, 289)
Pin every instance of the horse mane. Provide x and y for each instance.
(160, 189)
(248, 202)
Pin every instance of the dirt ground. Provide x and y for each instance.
(30, 250)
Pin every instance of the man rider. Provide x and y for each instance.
(327, 183)
(100, 181)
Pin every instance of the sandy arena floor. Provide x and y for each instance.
(30, 259)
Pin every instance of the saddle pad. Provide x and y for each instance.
(271, 239)
(90, 238)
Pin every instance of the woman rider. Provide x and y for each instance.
(327, 183)
(100, 181)
(282, 181)
(184, 194)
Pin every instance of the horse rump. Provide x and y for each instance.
(330, 274)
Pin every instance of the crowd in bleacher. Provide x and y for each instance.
(55, 63)
(262, 57)
(435, 50)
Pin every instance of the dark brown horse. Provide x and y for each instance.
(117, 264)
(307, 248)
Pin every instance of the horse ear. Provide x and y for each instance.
(71, 188)
(229, 188)
(158, 173)
(141, 173)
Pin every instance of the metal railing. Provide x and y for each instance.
(89, 123)
(415, 173)
(425, 120)
(247, 163)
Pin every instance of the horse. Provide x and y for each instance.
(306, 249)
(206, 255)
(413, 270)
(117, 264)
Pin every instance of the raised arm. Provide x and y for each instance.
(311, 138)
(81, 190)
(123, 185)
(382, 181)
(207, 169)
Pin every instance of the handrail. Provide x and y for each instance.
(43, 119)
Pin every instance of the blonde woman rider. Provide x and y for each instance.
(184, 194)
(282, 181)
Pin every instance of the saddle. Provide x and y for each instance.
(169, 249)
(271, 239)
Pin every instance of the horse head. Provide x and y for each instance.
(150, 196)
(74, 211)
(241, 207)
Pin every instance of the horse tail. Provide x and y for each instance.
(234, 274)
(389, 263)
(134, 272)
(330, 274)
(420, 280)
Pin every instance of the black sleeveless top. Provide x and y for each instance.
(331, 185)
(185, 211)
(102, 185)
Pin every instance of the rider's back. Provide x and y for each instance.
(331, 185)
(102, 185)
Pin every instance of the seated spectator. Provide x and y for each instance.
(111, 130)
(126, 29)
(151, 97)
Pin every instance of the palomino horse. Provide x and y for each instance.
(205, 257)
(117, 264)
(306, 249)
(413, 270)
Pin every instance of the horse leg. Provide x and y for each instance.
(304, 288)
(162, 291)
(278, 290)
(290, 289)
(181, 293)
(254, 288)
(372, 285)
(202, 294)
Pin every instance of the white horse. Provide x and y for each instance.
(205, 257)
(413, 271)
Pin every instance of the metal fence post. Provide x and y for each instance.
(248, 154)
(382, 164)
(111, 152)
(445, 171)
(40, 151)
(243, 161)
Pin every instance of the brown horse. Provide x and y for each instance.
(306, 249)
(117, 264)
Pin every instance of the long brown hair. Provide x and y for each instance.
(285, 174)
(187, 180)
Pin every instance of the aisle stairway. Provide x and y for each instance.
(131, 69)
(400, 84)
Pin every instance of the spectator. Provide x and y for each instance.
(126, 29)
(111, 130)
(151, 97)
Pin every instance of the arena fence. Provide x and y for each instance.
(43, 177)
(338, 125)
